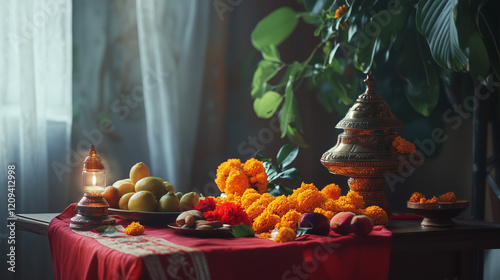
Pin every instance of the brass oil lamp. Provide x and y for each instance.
(364, 151)
(92, 209)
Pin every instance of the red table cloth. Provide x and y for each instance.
(162, 253)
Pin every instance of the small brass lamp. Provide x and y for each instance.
(92, 209)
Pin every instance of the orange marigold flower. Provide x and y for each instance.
(256, 208)
(341, 11)
(327, 214)
(265, 222)
(416, 196)
(279, 206)
(448, 197)
(135, 228)
(257, 175)
(285, 235)
(232, 198)
(223, 172)
(265, 235)
(403, 146)
(355, 199)
(236, 182)
(248, 199)
(434, 199)
(289, 220)
(330, 205)
(309, 199)
(377, 215)
(331, 191)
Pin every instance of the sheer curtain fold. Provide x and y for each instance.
(35, 94)
(172, 39)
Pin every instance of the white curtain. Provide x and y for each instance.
(35, 111)
(172, 40)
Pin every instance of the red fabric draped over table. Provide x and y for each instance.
(164, 254)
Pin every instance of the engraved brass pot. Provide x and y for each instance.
(364, 151)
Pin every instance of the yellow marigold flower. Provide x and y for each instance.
(285, 235)
(422, 200)
(289, 220)
(341, 11)
(377, 215)
(259, 182)
(265, 235)
(223, 172)
(279, 206)
(448, 197)
(434, 199)
(249, 191)
(248, 199)
(403, 146)
(327, 214)
(265, 222)
(135, 228)
(331, 191)
(309, 199)
(344, 205)
(416, 196)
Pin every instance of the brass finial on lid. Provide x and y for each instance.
(92, 161)
(370, 82)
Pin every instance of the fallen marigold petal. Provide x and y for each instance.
(135, 228)
(285, 235)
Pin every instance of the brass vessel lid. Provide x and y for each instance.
(370, 112)
(92, 161)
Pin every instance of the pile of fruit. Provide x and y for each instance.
(142, 192)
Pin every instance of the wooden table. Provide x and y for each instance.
(417, 252)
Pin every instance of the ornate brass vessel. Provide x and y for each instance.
(364, 151)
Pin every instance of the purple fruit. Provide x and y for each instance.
(317, 222)
(341, 222)
(361, 225)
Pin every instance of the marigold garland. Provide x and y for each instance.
(135, 228)
(266, 213)
(265, 222)
(289, 220)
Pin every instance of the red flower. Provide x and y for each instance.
(228, 213)
(205, 205)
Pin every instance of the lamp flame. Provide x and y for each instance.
(94, 180)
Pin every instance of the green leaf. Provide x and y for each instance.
(296, 137)
(435, 22)
(339, 87)
(423, 93)
(109, 231)
(266, 105)
(479, 60)
(316, 6)
(301, 231)
(291, 173)
(243, 230)
(265, 71)
(271, 53)
(289, 112)
(274, 28)
(368, 43)
(287, 155)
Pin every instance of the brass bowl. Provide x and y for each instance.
(438, 214)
